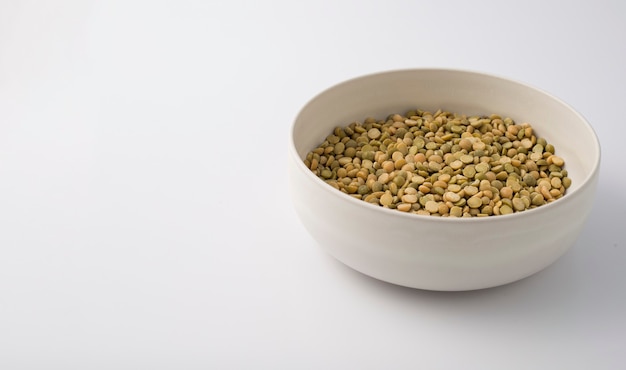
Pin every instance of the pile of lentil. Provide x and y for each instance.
(442, 164)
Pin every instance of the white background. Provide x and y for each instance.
(144, 216)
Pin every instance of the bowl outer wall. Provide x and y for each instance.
(434, 253)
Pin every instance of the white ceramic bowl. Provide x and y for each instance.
(438, 253)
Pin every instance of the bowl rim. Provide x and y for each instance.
(593, 174)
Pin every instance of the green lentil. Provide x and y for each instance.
(567, 182)
(518, 204)
(386, 199)
(452, 197)
(432, 206)
(373, 133)
(474, 202)
(482, 167)
(442, 164)
(537, 199)
(471, 190)
(506, 209)
(469, 171)
(363, 189)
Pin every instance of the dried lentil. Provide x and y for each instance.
(442, 164)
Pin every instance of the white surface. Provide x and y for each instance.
(143, 216)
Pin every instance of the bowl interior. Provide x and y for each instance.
(456, 91)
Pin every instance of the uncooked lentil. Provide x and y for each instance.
(442, 164)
